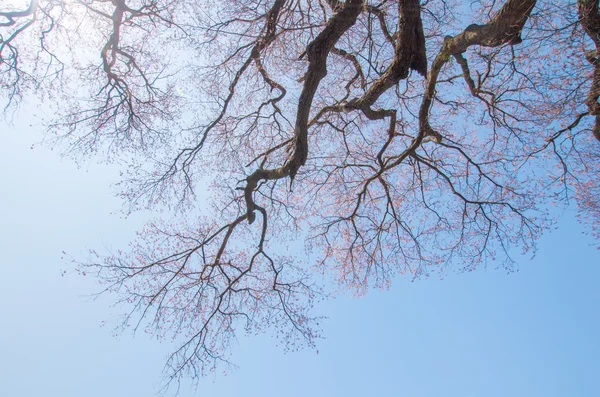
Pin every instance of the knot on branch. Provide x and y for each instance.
(429, 134)
(592, 57)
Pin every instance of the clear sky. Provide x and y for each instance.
(483, 334)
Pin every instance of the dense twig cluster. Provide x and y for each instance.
(398, 137)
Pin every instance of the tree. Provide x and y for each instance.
(394, 137)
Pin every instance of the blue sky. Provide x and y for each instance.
(483, 334)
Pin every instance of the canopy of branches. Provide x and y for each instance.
(391, 136)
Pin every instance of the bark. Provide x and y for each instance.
(409, 53)
(589, 17)
(504, 28)
(316, 52)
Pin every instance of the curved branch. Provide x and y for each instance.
(317, 52)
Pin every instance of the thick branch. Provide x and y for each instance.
(11, 15)
(589, 16)
(317, 52)
(504, 28)
(409, 53)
